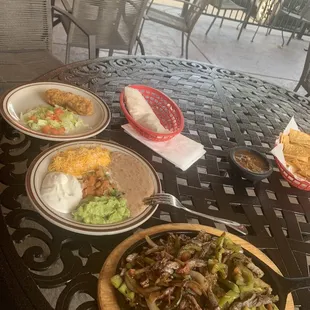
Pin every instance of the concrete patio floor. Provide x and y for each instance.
(264, 58)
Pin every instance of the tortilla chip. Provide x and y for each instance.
(299, 167)
(281, 137)
(285, 140)
(296, 151)
(289, 158)
(300, 138)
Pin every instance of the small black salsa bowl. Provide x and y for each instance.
(246, 173)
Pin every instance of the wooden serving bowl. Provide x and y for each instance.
(107, 294)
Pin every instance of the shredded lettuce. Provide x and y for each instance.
(68, 119)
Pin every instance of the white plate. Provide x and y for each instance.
(38, 169)
(29, 96)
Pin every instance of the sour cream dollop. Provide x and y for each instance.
(61, 191)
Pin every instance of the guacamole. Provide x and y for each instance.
(102, 210)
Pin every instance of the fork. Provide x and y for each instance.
(168, 199)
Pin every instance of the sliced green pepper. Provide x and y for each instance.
(149, 261)
(228, 298)
(219, 254)
(126, 292)
(230, 245)
(116, 281)
(220, 241)
(229, 284)
(212, 262)
(237, 256)
(260, 283)
(191, 247)
(222, 269)
(250, 288)
(244, 276)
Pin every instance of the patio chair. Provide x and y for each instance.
(304, 18)
(226, 5)
(185, 23)
(304, 80)
(114, 23)
(26, 41)
(300, 15)
(265, 12)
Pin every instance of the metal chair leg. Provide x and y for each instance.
(290, 38)
(293, 32)
(255, 33)
(246, 19)
(211, 24)
(222, 19)
(67, 59)
(182, 44)
(274, 21)
(139, 36)
(92, 46)
(186, 48)
(241, 29)
(140, 44)
(297, 86)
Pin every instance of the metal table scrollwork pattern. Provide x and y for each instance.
(54, 268)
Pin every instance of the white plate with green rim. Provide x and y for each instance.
(39, 168)
(29, 96)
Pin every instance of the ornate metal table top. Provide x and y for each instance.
(54, 268)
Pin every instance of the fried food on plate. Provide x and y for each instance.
(75, 103)
(296, 150)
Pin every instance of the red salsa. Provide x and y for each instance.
(251, 161)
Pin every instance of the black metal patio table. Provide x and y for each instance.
(44, 267)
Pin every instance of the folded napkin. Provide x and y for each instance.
(180, 150)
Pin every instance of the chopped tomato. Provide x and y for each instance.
(46, 129)
(54, 131)
(53, 117)
(236, 270)
(33, 118)
(61, 130)
(58, 111)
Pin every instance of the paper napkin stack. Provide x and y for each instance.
(180, 150)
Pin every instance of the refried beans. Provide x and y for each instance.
(133, 179)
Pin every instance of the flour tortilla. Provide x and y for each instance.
(141, 111)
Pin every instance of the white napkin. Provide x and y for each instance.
(180, 150)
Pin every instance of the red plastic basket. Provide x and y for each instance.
(290, 178)
(165, 109)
